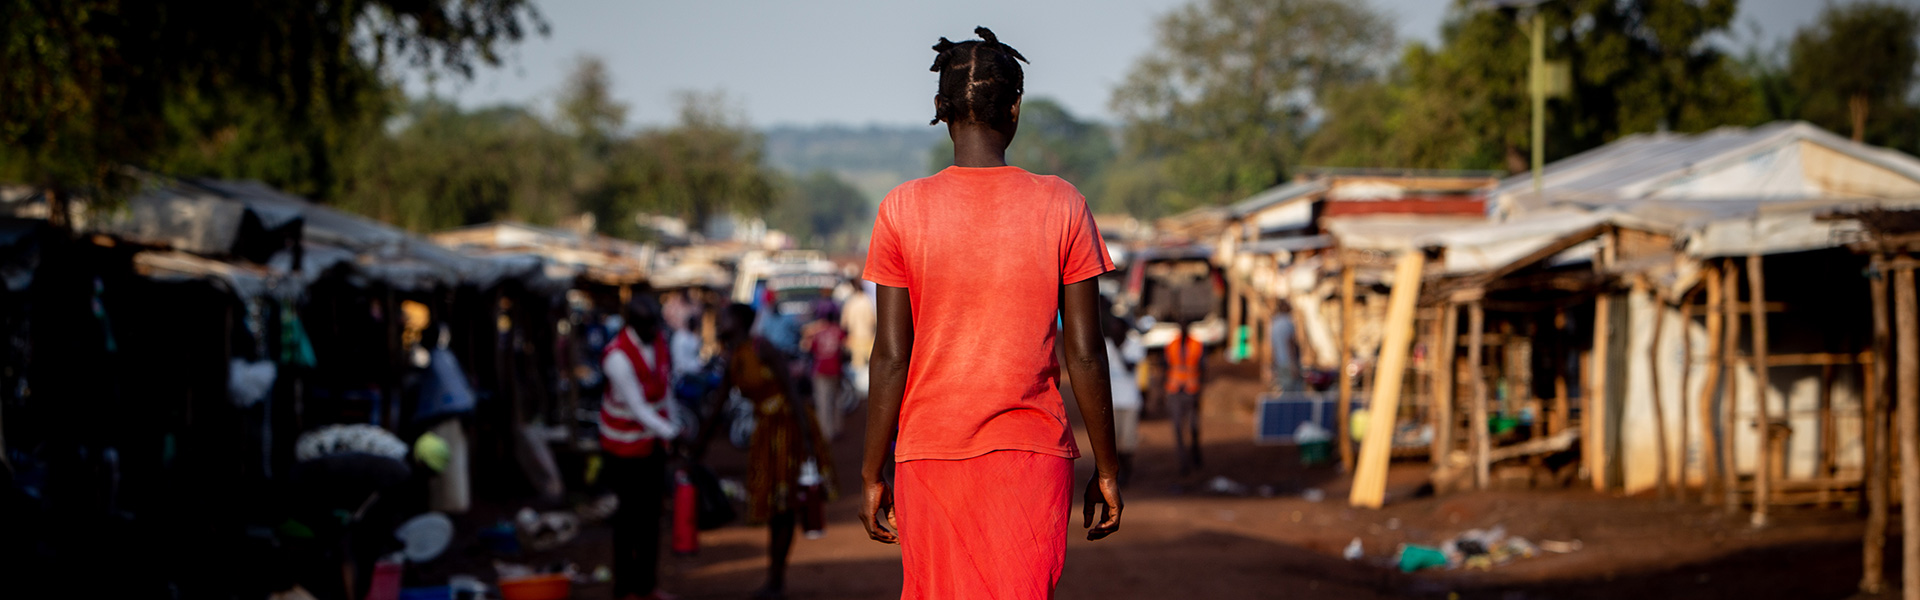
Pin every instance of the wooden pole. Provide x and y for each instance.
(1874, 436)
(1595, 412)
(1658, 310)
(1709, 447)
(1828, 446)
(1909, 399)
(1757, 300)
(1370, 475)
(1345, 406)
(1729, 453)
(1443, 388)
(1686, 377)
(1558, 422)
(1477, 424)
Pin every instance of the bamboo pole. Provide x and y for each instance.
(1909, 399)
(1477, 424)
(1874, 437)
(1370, 475)
(1443, 387)
(1658, 311)
(1709, 448)
(1345, 406)
(1757, 299)
(1595, 413)
(1729, 454)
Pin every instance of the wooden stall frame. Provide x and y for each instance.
(1730, 302)
(1370, 474)
(1874, 430)
(1344, 408)
(1763, 475)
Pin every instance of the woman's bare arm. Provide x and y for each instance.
(1086, 367)
(887, 373)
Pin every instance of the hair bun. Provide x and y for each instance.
(986, 35)
(944, 45)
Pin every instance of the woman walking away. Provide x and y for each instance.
(972, 265)
(785, 439)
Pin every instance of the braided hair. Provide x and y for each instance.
(980, 79)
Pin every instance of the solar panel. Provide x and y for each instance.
(1277, 416)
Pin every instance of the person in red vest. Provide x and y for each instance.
(1183, 396)
(636, 425)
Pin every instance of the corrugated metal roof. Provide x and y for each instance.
(1276, 195)
(1639, 166)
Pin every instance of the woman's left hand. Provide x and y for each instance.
(876, 513)
(1102, 490)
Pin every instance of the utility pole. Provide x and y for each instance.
(1537, 85)
(1543, 79)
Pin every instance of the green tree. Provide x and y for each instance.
(1857, 61)
(445, 167)
(1051, 141)
(707, 164)
(1638, 66)
(89, 85)
(820, 210)
(587, 108)
(1222, 104)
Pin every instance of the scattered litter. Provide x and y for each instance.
(1221, 485)
(1353, 551)
(1414, 558)
(1309, 432)
(1313, 495)
(1519, 547)
(542, 531)
(1481, 549)
(1559, 547)
(600, 509)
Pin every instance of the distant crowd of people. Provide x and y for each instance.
(681, 372)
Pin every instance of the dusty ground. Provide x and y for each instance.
(1180, 541)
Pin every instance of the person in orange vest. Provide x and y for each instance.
(1183, 396)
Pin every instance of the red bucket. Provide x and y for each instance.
(537, 587)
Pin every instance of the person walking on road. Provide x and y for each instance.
(785, 439)
(1183, 395)
(1121, 351)
(1286, 362)
(825, 343)
(972, 265)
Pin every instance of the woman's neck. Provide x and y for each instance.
(978, 146)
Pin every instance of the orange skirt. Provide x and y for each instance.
(989, 527)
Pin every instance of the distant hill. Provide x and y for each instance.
(873, 158)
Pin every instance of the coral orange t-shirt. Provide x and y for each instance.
(983, 252)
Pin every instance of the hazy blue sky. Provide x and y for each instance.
(865, 61)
